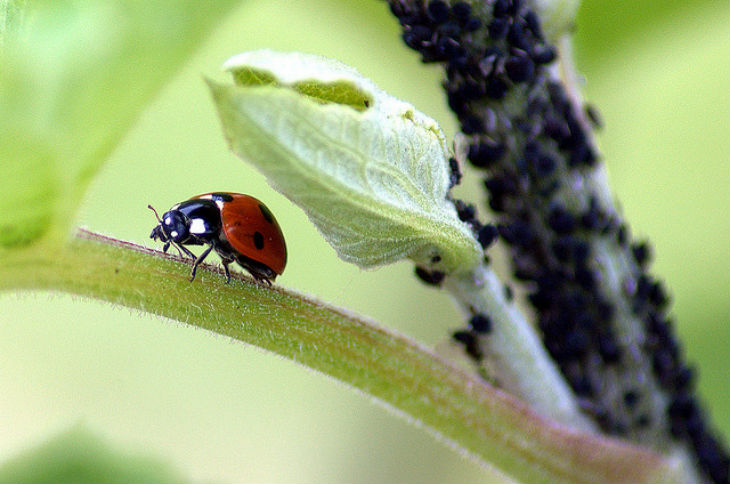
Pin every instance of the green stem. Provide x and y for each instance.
(513, 349)
(616, 266)
(479, 420)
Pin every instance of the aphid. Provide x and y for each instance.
(238, 227)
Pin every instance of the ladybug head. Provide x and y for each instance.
(172, 228)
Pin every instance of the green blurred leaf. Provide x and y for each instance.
(11, 18)
(78, 456)
(369, 170)
(73, 80)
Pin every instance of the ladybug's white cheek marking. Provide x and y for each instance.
(167, 220)
(173, 233)
(197, 226)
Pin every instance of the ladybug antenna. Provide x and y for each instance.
(155, 212)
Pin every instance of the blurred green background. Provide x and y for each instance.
(216, 410)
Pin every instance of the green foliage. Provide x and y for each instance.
(72, 82)
(76, 79)
(11, 17)
(78, 456)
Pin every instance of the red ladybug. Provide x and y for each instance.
(238, 227)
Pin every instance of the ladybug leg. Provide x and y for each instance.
(177, 248)
(188, 252)
(261, 273)
(258, 276)
(198, 261)
(261, 278)
(225, 266)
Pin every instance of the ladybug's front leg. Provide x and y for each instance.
(198, 261)
(188, 252)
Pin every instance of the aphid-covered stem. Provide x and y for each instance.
(501, 333)
(603, 318)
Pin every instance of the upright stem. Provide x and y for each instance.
(514, 350)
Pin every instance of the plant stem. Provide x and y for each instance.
(477, 419)
(522, 365)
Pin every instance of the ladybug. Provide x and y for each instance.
(238, 227)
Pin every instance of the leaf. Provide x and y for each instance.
(72, 82)
(369, 170)
(79, 456)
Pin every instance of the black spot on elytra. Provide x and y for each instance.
(258, 240)
(266, 213)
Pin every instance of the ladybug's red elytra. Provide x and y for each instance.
(238, 227)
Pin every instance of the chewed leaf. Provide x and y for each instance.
(326, 80)
(369, 170)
